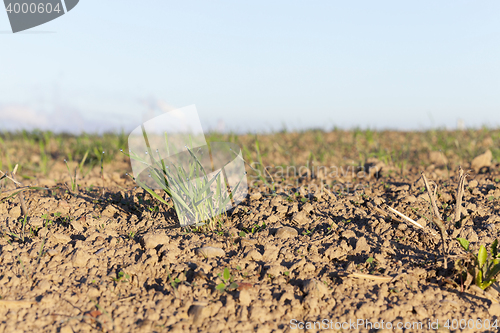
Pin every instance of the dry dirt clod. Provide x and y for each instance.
(286, 232)
(255, 196)
(274, 270)
(300, 218)
(308, 207)
(373, 167)
(253, 255)
(362, 245)
(315, 288)
(36, 221)
(494, 309)
(77, 225)
(437, 158)
(244, 297)
(210, 252)
(96, 222)
(197, 313)
(152, 240)
(80, 258)
(61, 238)
(272, 219)
(66, 329)
(481, 161)
(473, 183)
(63, 206)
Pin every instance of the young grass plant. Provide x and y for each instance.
(482, 268)
(74, 180)
(188, 184)
(27, 273)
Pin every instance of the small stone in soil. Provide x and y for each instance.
(286, 232)
(152, 240)
(210, 252)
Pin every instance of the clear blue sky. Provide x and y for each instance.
(256, 65)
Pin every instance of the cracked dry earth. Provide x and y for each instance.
(114, 263)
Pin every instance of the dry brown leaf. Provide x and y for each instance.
(93, 313)
(244, 285)
(371, 277)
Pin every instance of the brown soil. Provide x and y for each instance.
(111, 259)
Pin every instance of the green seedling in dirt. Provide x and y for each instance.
(46, 217)
(331, 228)
(174, 283)
(371, 263)
(189, 188)
(74, 180)
(154, 209)
(483, 267)
(227, 281)
(122, 277)
(131, 235)
(254, 229)
(308, 232)
(27, 273)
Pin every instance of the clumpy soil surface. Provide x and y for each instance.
(322, 248)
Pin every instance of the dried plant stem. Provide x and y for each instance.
(102, 173)
(432, 197)
(460, 193)
(380, 278)
(458, 206)
(4, 175)
(415, 223)
(405, 217)
(21, 196)
(437, 220)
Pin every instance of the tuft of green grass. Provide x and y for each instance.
(189, 187)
